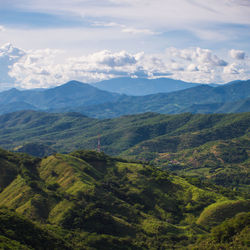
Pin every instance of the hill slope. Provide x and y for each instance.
(66, 132)
(214, 146)
(93, 201)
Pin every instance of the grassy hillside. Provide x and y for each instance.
(93, 201)
(231, 234)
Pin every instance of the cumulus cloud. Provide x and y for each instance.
(237, 54)
(231, 69)
(192, 67)
(45, 68)
(8, 56)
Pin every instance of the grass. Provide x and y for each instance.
(16, 194)
(218, 212)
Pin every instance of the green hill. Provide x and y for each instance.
(70, 131)
(88, 200)
(212, 146)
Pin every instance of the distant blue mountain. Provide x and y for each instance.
(143, 86)
(86, 99)
(228, 98)
(71, 94)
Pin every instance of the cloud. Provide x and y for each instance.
(231, 69)
(126, 29)
(8, 56)
(50, 67)
(237, 54)
(2, 28)
(135, 31)
(199, 55)
(192, 68)
(113, 59)
(192, 15)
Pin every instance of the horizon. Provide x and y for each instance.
(91, 84)
(43, 43)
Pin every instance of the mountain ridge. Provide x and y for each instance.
(143, 86)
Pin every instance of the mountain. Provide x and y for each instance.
(16, 106)
(228, 107)
(174, 102)
(88, 100)
(211, 146)
(70, 94)
(66, 132)
(142, 86)
(88, 200)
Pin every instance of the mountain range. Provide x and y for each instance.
(83, 98)
(230, 98)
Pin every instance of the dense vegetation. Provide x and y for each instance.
(88, 200)
(214, 147)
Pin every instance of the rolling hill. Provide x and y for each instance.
(212, 146)
(88, 200)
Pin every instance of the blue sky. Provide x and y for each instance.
(79, 38)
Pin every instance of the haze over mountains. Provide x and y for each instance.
(91, 101)
(143, 86)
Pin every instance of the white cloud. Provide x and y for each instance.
(135, 31)
(192, 68)
(8, 56)
(231, 69)
(2, 28)
(237, 54)
(160, 15)
(44, 68)
(126, 29)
